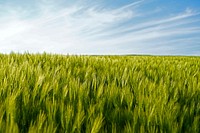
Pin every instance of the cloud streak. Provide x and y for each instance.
(96, 29)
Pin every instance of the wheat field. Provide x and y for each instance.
(44, 93)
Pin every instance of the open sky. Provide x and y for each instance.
(157, 27)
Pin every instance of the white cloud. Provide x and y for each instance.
(81, 29)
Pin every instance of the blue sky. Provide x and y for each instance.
(156, 27)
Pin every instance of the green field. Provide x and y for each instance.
(45, 93)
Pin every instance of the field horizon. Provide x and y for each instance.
(69, 54)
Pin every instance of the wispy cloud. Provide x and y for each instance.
(96, 29)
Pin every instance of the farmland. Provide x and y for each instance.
(56, 93)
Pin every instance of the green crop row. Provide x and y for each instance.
(96, 94)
